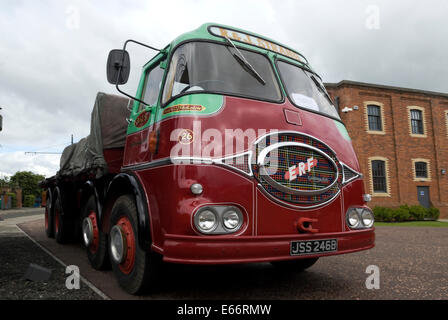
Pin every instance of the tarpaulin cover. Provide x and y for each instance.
(107, 131)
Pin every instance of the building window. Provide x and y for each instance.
(421, 169)
(446, 122)
(379, 176)
(374, 115)
(417, 121)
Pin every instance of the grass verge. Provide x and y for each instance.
(440, 224)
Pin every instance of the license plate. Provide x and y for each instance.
(305, 247)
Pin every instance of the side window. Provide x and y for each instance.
(153, 83)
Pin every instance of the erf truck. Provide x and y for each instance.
(231, 151)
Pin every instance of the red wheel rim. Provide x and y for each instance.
(96, 239)
(128, 263)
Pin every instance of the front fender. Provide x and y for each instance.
(125, 183)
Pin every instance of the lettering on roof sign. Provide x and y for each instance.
(255, 41)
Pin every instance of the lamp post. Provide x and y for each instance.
(1, 121)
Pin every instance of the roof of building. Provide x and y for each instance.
(384, 87)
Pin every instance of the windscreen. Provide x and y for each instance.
(306, 89)
(210, 67)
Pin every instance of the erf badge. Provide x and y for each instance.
(186, 137)
(142, 119)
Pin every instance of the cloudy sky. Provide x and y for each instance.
(53, 53)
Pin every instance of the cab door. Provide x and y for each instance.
(141, 124)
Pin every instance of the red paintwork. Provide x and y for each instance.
(128, 264)
(268, 227)
(96, 239)
(114, 159)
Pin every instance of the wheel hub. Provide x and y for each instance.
(117, 244)
(90, 233)
(123, 245)
(87, 231)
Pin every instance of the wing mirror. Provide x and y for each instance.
(118, 66)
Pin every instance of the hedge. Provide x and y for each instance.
(405, 213)
(29, 200)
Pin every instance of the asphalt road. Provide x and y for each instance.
(412, 261)
(17, 252)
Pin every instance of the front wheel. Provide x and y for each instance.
(295, 265)
(134, 267)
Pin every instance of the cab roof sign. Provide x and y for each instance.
(256, 41)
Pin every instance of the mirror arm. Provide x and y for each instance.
(121, 67)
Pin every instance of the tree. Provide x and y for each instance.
(27, 181)
(4, 182)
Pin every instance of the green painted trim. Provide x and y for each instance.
(342, 130)
(203, 33)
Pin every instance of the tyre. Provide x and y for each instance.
(295, 265)
(135, 268)
(63, 226)
(49, 217)
(93, 237)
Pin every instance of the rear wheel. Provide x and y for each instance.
(135, 268)
(49, 217)
(93, 238)
(63, 226)
(295, 265)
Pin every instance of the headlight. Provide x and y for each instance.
(231, 219)
(215, 220)
(367, 218)
(353, 218)
(360, 218)
(206, 220)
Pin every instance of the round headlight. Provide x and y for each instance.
(231, 219)
(206, 220)
(353, 219)
(367, 218)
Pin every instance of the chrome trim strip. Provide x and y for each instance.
(280, 187)
(219, 161)
(357, 174)
(297, 133)
(147, 165)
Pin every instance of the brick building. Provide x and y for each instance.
(401, 138)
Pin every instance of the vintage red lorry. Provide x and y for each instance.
(231, 151)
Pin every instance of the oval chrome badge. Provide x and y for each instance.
(298, 169)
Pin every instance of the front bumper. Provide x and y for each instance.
(248, 249)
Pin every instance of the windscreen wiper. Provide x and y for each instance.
(245, 64)
(321, 88)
